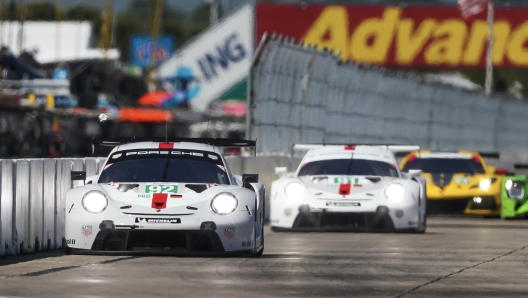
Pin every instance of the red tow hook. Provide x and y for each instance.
(344, 189)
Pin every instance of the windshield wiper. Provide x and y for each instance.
(350, 164)
(165, 171)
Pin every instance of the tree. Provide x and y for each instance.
(40, 11)
(81, 12)
(11, 11)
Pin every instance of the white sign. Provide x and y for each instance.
(218, 59)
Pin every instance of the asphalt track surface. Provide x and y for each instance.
(456, 257)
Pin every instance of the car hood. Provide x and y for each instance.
(457, 180)
(168, 197)
(346, 187)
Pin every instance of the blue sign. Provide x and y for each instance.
(146, 52)
(60, 74)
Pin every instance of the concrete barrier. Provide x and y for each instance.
(32, 199)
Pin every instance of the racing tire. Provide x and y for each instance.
(275, 229)
(65, 248)
(259, 253)
(423, 228)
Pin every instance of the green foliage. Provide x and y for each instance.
(81, 12)
(11, 11)
(40, 11)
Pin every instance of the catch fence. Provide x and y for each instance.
(298, 94)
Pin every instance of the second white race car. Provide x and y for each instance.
(351, 187)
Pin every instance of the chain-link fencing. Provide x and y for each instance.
(300, 95)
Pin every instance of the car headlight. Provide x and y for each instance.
(395, 191)
(485, 184)
(294, 189)
(514, 189)
(224, 203)
(94, 201)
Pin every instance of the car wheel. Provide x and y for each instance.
(258, 254)
(423, 227)
(65, 248)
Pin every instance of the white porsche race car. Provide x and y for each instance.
(350, 187)
(166, 197)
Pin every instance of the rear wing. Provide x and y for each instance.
(495, 155)
(520, 166)
(216, 142)
(397, 149)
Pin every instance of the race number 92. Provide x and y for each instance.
(153, 188)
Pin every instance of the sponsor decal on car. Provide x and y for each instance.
(461, 180)
(157, 188)
(144, 196)
(337, 181)
(399, 213)
(287, 211)
(343, 204)
(158, 220)
(86, 230)
(247, 243)
(70, 241)
(229, 232)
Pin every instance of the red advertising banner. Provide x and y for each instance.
(412, 36)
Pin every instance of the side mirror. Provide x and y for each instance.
(281, 171)
(91, 179)
(502, 172)
(249, 178)
(78, 175)
(415, 173)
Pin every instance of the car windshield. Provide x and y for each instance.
(359, 167)
(184, 166)
(445, 165)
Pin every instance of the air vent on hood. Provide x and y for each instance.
(127, 187)
(196, 187)
(373, 179)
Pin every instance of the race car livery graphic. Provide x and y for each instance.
(174, 197)
(458, 182)
(350, 187)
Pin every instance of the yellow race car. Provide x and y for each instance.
(458, 182)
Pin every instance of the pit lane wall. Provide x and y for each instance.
(33, 194)
(301, 95)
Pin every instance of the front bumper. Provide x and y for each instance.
(514, 208)
(197, 233)
(481, 206)
(157, 242)
(380, 219)
(323, 220)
